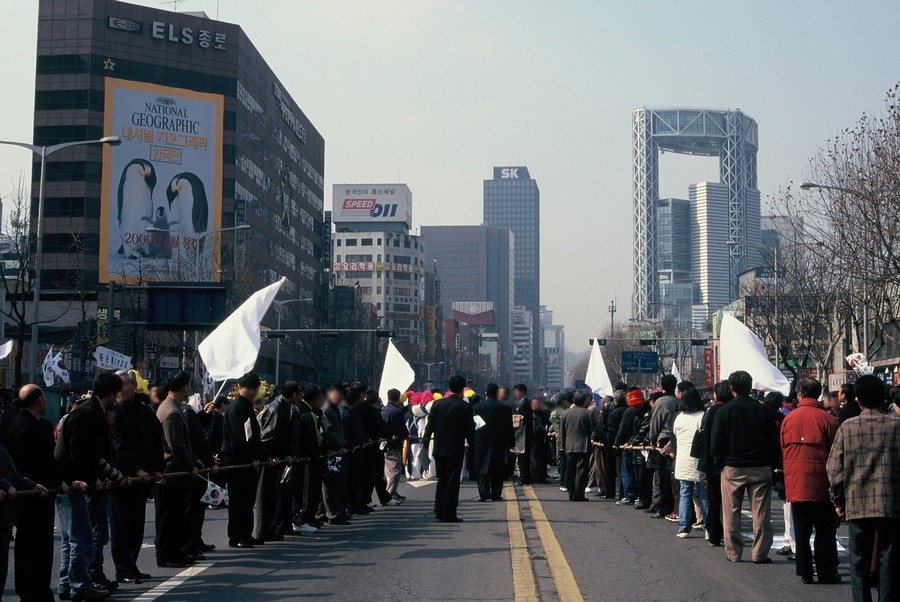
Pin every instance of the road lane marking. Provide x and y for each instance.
(566, 586)
(524, 586)
(164, 588)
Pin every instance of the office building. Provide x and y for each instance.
(210, 139)
(374, 251)
(523, 340)
(554, 351)
(729, 135)
(475, 264)
(674, 238)
(512, 200)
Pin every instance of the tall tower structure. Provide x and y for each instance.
(728, 134)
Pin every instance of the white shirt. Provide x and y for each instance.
(685, 427)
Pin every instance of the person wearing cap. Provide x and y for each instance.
(139, 445)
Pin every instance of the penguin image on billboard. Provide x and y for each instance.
(188, 204)
(135, 201)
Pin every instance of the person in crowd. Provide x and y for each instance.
(139, 445)
(334, 480)
(173, 492)
(396, 435)
(494, 437)
(82, 452)
(832, 403)
(275, 427)
(358, 476)
(306, 444)
(539, 452)
(375, 430)
(599, 417)
(563, 404)
(576, 429)
(849, 407)
(28, 437)
(661, 421)
(452, 426)
(686, 428)
(213, 429)
(807, 434)
(746, 449)
(241, 445)
(154, 396)
(863, 487)
(523, 423)
(707, 465)
(195, 509)
(634, 400)
(613, 456)
(11, 480)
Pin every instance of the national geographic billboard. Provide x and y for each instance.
(162, 186)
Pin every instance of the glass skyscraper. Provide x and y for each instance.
(512, 200)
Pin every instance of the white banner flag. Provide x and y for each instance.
(675, 371)
(397, 373)
(5, 349)
(230, 351)
(741, 349)
(108, 359)
(597, 378)
(47, 368)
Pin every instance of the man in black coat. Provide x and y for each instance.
(524, 432)
(452, 426)
(29, 440)
(139, 445)
(241, 444)
(707, 465)
(494, 437)
(575, 429)
(375, 429)
(195, 511)
(306, 443)
(275, 432)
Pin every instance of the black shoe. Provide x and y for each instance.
(194, 556)
(92, 596)
(452, 520)
(833, 580)
(640, 506)
(399, 497)
(243, 544)
(766, 560)
(105, 585)
(206, 547)
(256, 542)
(143, 576)
(130, 580)
(806, 580)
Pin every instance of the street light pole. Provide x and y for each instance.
(43, 152)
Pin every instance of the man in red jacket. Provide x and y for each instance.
(807, 434)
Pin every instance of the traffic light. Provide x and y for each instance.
(648, 342)
(599, 342)
(384, 333)
(699, 342)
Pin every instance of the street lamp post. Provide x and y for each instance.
(278, 306)
(197, 256)
(43, 152)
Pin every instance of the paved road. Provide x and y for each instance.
(557, 550)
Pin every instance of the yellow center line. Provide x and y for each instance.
(524, 587)
(566, 586)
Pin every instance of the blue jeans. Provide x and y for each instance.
(98, 508)
(686, 516)
(77, 551)
(629, 485)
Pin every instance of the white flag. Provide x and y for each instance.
(675, 372)
(5, 349)
(597, 378)
(231, 349)
(57, 366)
(108, 359)
(397, 373)
(47, 368)
(741, 349)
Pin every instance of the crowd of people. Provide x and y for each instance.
(290, 465)
(308, 457)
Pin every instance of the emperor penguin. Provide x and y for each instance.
(135, 201)
(188, 204)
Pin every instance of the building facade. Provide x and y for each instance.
(554, 351)
(512, 200)
(475, 263)
(210, 139)
(523, 345)
(373, 250)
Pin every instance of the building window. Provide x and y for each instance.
(351, 242)
(367, 242)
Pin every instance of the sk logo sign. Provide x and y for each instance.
(510, 173)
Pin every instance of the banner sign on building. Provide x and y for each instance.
(355, 203)
(162, 186)
(108, 359)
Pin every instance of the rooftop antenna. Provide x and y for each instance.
(173, 3)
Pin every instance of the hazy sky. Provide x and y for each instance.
(435, 93)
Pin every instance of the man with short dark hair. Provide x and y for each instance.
(494, 437)
(173, 493)
(575, 430)
(139, 443)
(29, 440)
(807, 434)
(242, 444)
(662, 420)
(745, 447)
(707, 465)
(334, 479)
(82, 449)
(864, 469)
(396, 435)
(306, 443)
(849, 407)
(452, 426)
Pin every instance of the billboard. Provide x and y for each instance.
(640, 362)
(372, 203)
(162, 186)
